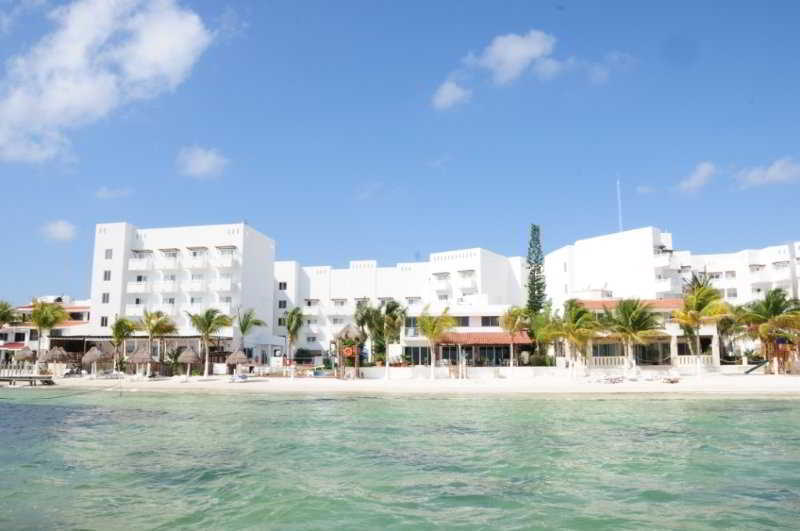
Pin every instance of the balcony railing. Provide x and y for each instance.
(134, 310)
(168, 263)
(224, 307)
(194, 285)
(467, 284)
(166, 286)
(140, 264)
(411, 331)
(138, 287)
(441, 284)
(167, 309)
(196, 262)
(223, 284)
(225, 260)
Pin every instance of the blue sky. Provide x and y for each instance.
(388, 130)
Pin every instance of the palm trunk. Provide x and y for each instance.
(205, 346)
(385, 353)
(432, 360)
(511, 357)
(357, 361)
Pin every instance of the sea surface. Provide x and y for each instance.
(77, 459)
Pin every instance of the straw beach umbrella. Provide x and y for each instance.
(25, 354)
(188, 356)
(350, 333)
(93, 355)
(142, 355)
(237, 358)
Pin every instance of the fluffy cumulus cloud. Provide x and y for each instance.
(700, 177)
(508, 57)
(100, 55)
(783, 170)
(105, 192)
(59, 230)
(200, 163)
(448, 94)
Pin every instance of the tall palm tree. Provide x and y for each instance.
(702, 304)
(433, 327)
(370, 320)
(633, 322)
(541, 329)
(294, 322)
(577, 326)
(775, 317)
(155, 325)
(514, 321)
(394, 316)
(46, 316)
(7, 314)
(121, 330)
(246, 322)
(208, 324)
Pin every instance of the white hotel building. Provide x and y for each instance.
(231, 267)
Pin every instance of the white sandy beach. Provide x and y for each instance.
(709, 384)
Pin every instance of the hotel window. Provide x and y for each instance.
(311, 321)
(227, 251)
(4, 336)
(312, 302)
(106, 298)
(171, 301)
(226, 299)
(781, 265)
(604, 350)
(281, 321)
(337, 320)
(714, 275)
(198, 253)
(282, 286)
(196, 300)
(20, 336)
(362, 302)
(490, 320)
(141, 278)
(109, 253)
(311, 339)
(281, 304)
(443, 296)
(197, 276)
(171, 254)
(730, 274)
(339, 302)
(462, 320)
(104, 321)
(106, 275)
(137, 301)
(731, 293)
(413, 300)
(170, 278)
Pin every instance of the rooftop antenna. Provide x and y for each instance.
(619, 205)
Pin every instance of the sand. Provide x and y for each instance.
(705, 385)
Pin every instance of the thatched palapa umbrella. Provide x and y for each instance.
(142, 355)
(349, 333)
(236, 359)
(25, 354)
(92, 356)
(188, 356)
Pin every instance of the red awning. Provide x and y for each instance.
(484, 338)
(12, 346)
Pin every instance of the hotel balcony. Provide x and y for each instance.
(311, 310)
(194, 285)
(225, 261)
(411, 331)
(223, 284)
(671, 285)
(760, 277)
(344, 309)
(166, 286)
(140, 264)
(441, 285)
(468, 285)
(134, 310)
(168, 263)
(138, 287)
(663, 260)
(196, 262)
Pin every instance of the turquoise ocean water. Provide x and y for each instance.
(98, 460)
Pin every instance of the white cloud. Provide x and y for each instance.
(104, 192)
(548, 68)
(507, 56)
(700, 177)
(59, 230)
(448, 94)
(201, 163)
(101, 55)
(644, 190)
(783, 170)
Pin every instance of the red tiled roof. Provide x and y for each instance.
(484, 338)
(68, 308)
(12, 346)
(655, 304)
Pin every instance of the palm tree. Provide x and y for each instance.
(633, 322)
(702, 304)
(246, 322)
(393, 317)
(541, 329)
(46, 316)
(577, 326)
(370, 320)
(155, 325)
(775, 317)
(514, 321)
(294, 322)
(433, 327)
(7, 314)
(121, 330)
(207, 324)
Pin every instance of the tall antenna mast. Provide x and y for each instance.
(619, 205)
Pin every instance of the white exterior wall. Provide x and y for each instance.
(475, 282)
(244, 276)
